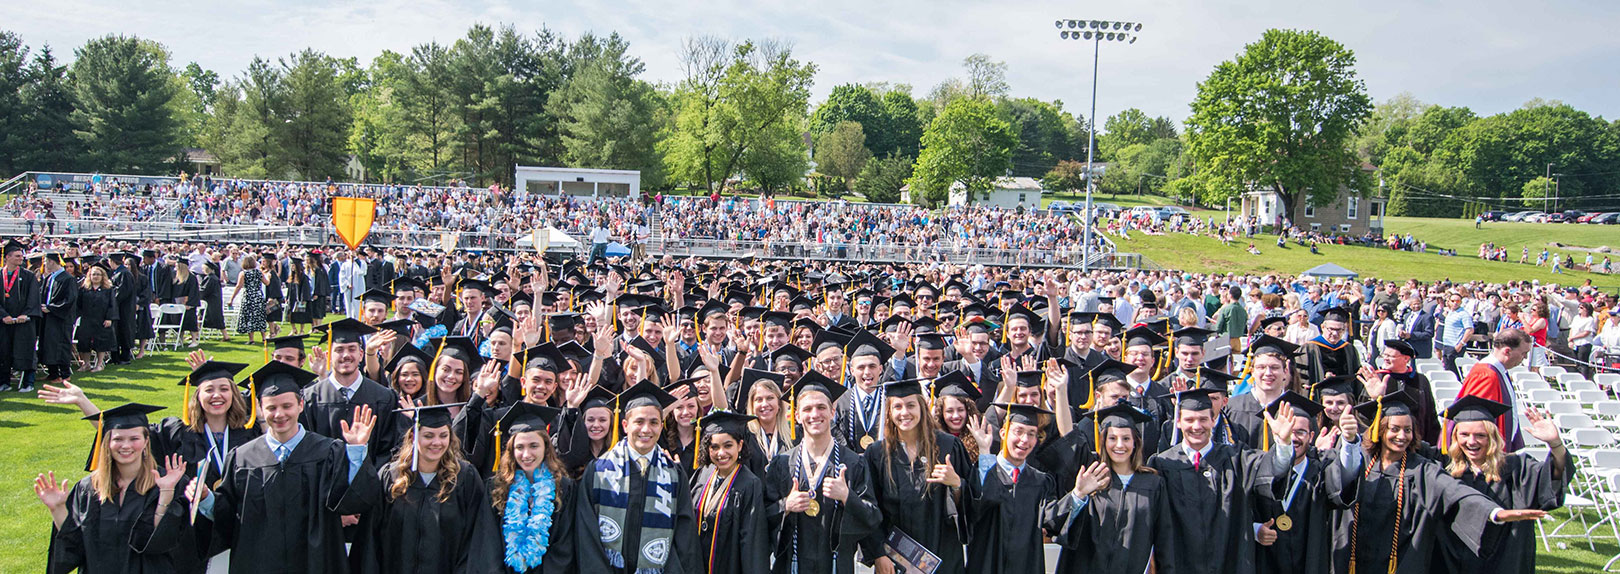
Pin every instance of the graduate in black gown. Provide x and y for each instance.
(1107, 386)
(542, 367)
(533, 497)
(1512, 480)
(919, 477)
(1215, 488)
(1399, 502)
(332, 399)
(818, 492)
(433, 514)
(586, 431)
(59, 294)
(1005, 497)
(20, 294)
(280, 505)
(634, 513)
(729, 499)
(124, 517)
(1116, 515)
(1270, 371)
(1296, 533)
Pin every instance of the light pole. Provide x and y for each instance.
(1097, 31)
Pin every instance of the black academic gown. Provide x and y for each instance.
(1213, 505)
(849, 429)
(1005, 518)
(736, 540)
(1225, 432)
(1427, 414)
(60, 297)
(988, 380)
(475, 424)
(285, 517)
(171, 436)
(325, 411)
(125, 286)
(926, 512)
(1119, 529)
(1307, 546)
(1526, 483)
(1434, 502)
(591, 524)
(559, 557)
(118, 537)
(1323, 360)
(574, 442)
(825, 543)
(18, 341)
(1245, 411)
(96, 307)
(417, 533)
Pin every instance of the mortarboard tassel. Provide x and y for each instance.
(498, 450)
(185, 403)
(253, 388)
(433, 368)
(95, 450)
(1378, 417)
(697, 441)
(615, 421)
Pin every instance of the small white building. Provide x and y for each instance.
(579, 181)
(1006, 193)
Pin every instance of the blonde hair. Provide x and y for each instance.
(237, 416)
(104, 479)
(404, 476)
(1491, 468)
(927, 442)
(782, 425)
(507, 472)
(89, 283)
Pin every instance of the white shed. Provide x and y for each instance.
(1006, 192)
(579, 181)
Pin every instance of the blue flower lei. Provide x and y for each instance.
(527, 524)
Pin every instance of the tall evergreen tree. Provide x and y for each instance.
(124, 91)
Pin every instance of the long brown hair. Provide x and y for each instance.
(928, 443)
(507, 472)
(1137, 466)
(449, 468)
(1491, 469)
(104, 479)
(430, 388)
(968, 442)
(237, 416)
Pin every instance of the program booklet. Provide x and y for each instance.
(909, 556)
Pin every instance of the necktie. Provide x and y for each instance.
(281, 453)
(1198, 460)
(347, 393)
(866, 406)
(641, 464)
(1015, 475)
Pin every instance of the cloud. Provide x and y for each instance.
(1489, 55)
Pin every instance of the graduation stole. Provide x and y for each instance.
(610, 488)
(1320, 342)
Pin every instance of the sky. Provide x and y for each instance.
(1488, 55)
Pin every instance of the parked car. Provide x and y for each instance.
(1537, 217)
(1062, 207)
(1611, 218)
(1105, 209)
(1148, 210)
(1567, 216)
(1590, 216)
(1169, 211)
(1521, 217)
(1493, 215)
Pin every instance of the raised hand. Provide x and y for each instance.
(488, 382)
(382, 340)
(945, 474)
(1349, 427)
(1327, 439)
(1266, 535)
(317, 360)
(1282, 425)
(174, 469)
(1542, 427)
(835, 487)
(196, 358)
(1092, 478)
(1375, 384)
(797, 500)
(67, 394)
(359, 432)
(980, 429)
(52, 494)
(1518, 515)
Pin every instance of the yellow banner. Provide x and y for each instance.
(352, 217)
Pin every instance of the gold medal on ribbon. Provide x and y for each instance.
(866, 441)
(814, 510)
(1284, 523)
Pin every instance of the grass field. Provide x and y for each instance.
(1124, 201)
(1460, 234)
(41, 437)
(1207, 255)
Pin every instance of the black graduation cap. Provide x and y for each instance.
(892, 323)
(711, 308)
(905, 388)
(777, 319)
(1020, 310)
(1339, 314)
(646, 347)
(829, 338)
(978, 324)
(289, 342)
(752, 312)
(1338, 384)
(1303, 406)
(654, 312)
(527, 300)
(783, 286)
(1396, 403)
(644, 394)
(405, 353)
(813, 380)
(462, 348)
(125, 416)
(1401, 347)
(211, 370)
(931, 342)
(902, 299)
(1109, 370)
(976, 310)
(401, 327)
(806, 323)
(802, 303)
(689, 380)
(865, 344)
(599, 397)
(563, 321)
(1269, 344)
(1030, 378)
(1147, 297)
(635, 301)
(529, 417)
(1474, 408)
(345, 330)
(1212, 379)
(544, 356)
(1024, 414)
(956, 383)
(1269, 321)
(575, 352)
(478, 284)
(1192, 335)
(433, 416)
(1144, 335)
(647, 285)
(1193, 399)
(750, 377)
(861, 293)
(407, 283)
(791, 350)
(275, 378)
(12, 245)
(726, 422)
(375, 295)
(1121, 415)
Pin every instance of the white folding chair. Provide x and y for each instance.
(1571, 421)
(1552, 371)
(167, 317)
(1606, 410)
(1607, 380)
(1590, 396)
(1446, 394)
(1444, 377)
(1546, 396)
(1567, 378)
(1531, 384)
(1581, 385)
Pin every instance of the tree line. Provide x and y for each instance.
(1286, 114)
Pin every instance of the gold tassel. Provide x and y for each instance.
(95, 450)
(253, 388)
(697, 441)
(1265, 432)
(497, 466)
(793, 419)
(1378, 417)
(1096, 437)
(434, 367)
(615, 421)
(265, 344)
(1006, 424)
(185, 403)
(1091, 396)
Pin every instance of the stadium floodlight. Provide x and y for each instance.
(1094, 30)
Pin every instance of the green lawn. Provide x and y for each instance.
(1460, 234)
(1207, 255)
(1124, 201)
(41, 437)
